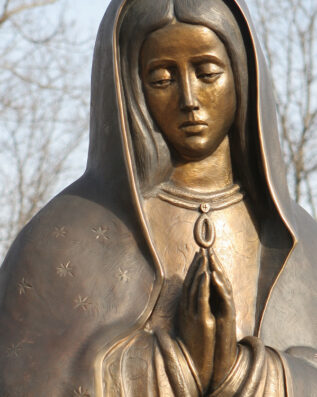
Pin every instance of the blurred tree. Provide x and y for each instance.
(44, 106)
(288, 31)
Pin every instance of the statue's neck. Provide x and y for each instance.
(209, 174)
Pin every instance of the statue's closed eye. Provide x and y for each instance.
(208, 72)
(161, 78)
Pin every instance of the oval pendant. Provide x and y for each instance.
(204, 231)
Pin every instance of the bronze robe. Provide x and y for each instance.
(84, 275)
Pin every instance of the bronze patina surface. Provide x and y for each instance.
(177, 265)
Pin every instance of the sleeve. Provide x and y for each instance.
(300, 364)
(258, 372)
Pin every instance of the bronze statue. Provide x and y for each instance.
(177, 265)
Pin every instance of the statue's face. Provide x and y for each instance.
(189, 87)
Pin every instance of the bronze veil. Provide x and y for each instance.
(85, 274)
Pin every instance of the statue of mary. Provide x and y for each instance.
(177, 265)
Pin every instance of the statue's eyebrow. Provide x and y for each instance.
(208, 58)
(154, 64)
(157, 63)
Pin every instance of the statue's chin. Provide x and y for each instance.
(196, 148)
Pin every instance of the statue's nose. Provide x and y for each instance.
(188, 101)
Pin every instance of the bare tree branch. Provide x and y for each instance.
(44, 111)
(5, 8)
(7, 14)
(289, 38)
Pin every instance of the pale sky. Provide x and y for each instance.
(88, 12)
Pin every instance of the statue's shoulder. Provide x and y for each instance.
(75, 250)
(69, 226)
(305, 250)
(306, 227)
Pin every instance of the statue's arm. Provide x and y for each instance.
(30, 325)
(300, 365)
(262, 371)
(41, 324)
(258, 372)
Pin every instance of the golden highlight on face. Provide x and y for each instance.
(189, 87)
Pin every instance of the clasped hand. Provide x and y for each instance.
(207, 320)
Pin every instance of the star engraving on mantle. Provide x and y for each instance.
(23, 286)
(65, 269)
(82, 303)
(101, 233)
(81, 392)
(60, 232)
(123, 275)
(14, 350)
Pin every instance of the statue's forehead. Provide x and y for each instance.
(177, 30)
(182, 40)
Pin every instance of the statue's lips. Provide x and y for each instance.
(193, 127)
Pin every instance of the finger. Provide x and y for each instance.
(192, 270)
(215, 263)
(193, 294)
(189, 279)
(192, 303)
(203, 309)
(204, 262)
(217, 267)
(218, 283)
(225, 296)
